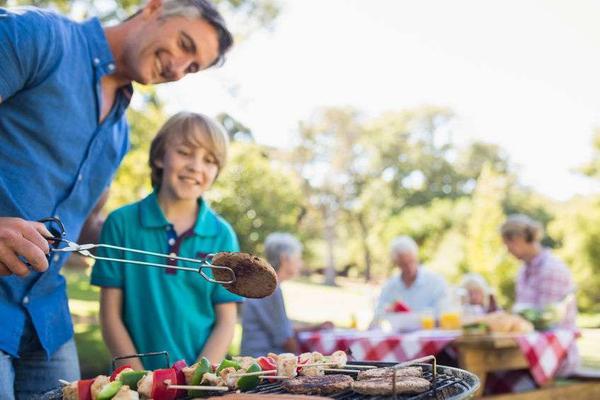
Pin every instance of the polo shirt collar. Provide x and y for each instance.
(152, 216)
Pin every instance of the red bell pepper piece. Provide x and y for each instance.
(267, 364)
(84, 389)
(300, 364)
(400, 306)
(160, 390)
(178, 366)
(116, 372)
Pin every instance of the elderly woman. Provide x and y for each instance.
(543, 279)
(266, 327)
(479, 296)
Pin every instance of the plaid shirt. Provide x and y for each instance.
(546, 280)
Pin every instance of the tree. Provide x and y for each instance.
(257, 196)
(592, 168)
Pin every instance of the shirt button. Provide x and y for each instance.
(56, 257)
(96, 61)
(79, 177)
(171, 241)
(111, 67)
(26, 300)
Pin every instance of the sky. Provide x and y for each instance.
(522, 74)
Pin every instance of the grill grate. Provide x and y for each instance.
(451, 384)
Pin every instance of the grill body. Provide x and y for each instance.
(450, 384)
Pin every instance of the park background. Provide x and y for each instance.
(353, 122)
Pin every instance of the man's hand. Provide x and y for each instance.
(19, 237)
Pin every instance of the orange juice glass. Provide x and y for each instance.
(450, 320)
(427, 321)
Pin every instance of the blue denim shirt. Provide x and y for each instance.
(55, 156)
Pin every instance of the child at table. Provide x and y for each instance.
(145, 309)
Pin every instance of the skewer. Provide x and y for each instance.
(271, 371)
(361, 366)
(274, 377)
(199, 387)
(63, 382)
(339, 370)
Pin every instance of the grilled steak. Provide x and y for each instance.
(387, 372)
(254, 277)
(325, 384)
(383, 386)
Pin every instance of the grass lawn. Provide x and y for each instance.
(306, 302)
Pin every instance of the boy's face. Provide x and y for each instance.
(189, 169)
(166, 49)
(517, 246)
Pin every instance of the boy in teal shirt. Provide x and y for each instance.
(152, 309)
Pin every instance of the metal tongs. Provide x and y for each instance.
(84, 250)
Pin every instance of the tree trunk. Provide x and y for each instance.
(364, 233)
(330, 271)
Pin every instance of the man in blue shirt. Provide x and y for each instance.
(64, 90)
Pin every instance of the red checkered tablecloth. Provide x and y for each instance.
(545, 352)
(376, 345)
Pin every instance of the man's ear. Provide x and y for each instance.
(152, 8)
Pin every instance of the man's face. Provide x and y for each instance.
(407, 262)
(166, 49)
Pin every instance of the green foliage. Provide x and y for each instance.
(257, 196)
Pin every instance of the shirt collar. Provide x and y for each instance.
(152, 216)
(537, 260)
(100, 54)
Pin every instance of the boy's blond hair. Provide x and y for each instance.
(191, 126)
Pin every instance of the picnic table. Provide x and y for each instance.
(540, 353)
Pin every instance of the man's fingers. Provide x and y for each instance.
(36, 232)
(12, 262)
(4, 271)
(34, 255)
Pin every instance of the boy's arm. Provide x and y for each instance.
(114, 332)
(220, 338)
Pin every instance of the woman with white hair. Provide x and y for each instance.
(414, 285)
(266, 326)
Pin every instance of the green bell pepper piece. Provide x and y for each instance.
(109, 391)
(249, 382)
(227, 364)
(204, 366)
(131, 378)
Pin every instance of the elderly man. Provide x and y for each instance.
(64, 90)
(414, 285)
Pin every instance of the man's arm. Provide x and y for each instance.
(22, 238)
(220, 338)
(114, 332)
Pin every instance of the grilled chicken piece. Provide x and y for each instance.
(245, 361)
(287, 365)
(188, 372)
(340, 358)
(125, 393)
(309, 358)
(326, 384)
(384, 386)
(123, 370)
(387, 373)
(145, 385)
(211, 379)
(70, 392)
(98, 384)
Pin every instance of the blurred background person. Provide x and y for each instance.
(479, 298)
(543, 279)
(414, 285)
(266, 326)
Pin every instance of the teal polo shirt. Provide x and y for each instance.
(164, 309)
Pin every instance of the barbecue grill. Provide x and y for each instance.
(450, 384)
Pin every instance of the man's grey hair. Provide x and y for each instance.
(204, 9)
(403, 245)
(279, 244)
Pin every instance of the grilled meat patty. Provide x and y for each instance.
(325, 384)
(261, 396)
(254, 277)
(383, 386)
(387, 372)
